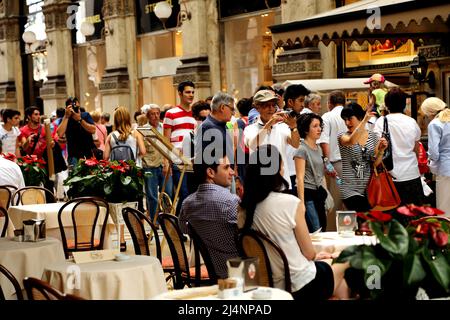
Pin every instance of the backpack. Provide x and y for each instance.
(121, 151)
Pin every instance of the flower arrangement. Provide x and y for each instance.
(407, 257)
(115, 181)
(33, 169)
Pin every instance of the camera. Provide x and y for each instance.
(74, 107)
(290, 113)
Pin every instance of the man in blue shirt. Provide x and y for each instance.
(212, 212)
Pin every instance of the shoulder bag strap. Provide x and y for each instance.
(37, 140)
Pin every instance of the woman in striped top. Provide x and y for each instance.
(359, 148)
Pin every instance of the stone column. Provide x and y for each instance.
(201, 60)
(11, 86)
(60, 83)
(119, 82)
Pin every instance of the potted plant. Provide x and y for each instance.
(406, 257)
(33, 169)
(121, 183)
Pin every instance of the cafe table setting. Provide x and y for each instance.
(27, 259)
(49, 211)
(107, 275)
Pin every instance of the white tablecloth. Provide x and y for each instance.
(49, 212)
(211, 293)
(331, 242)
(27, 259)
(139, 278)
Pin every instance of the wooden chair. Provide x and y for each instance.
(253, 243)
(88, 228)
(33, 195)
(184, 275)
(200, 247)
(40, 290)
(14, 282)
(4, 215)
(6, 192)
(135, 221)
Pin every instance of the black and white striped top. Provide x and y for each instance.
(356, 166)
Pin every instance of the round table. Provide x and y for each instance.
(27, 259)
(332, 242)
(211, 293)
(138, 278)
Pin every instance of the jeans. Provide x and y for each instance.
(153, 184)
(312, 217)
(176, 175)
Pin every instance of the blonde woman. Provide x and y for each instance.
(439, 148)
(123, 134)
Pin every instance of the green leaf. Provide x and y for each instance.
(370, 258)
(439, 267)
(396, 240)
(107, 188)
(125, 180)
(413, 271)
(353, 255)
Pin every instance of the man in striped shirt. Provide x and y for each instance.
(178, 122)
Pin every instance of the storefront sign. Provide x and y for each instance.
(146, 19)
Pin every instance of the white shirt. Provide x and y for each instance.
(333, 124)
(306, 110)
(404, 133)
(278, 223)
(277, 137)
(9, 139)
(10, 174)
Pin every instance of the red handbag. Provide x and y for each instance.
(381, 191)
(423, 160)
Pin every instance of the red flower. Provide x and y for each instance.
(9, 156)
(91, 162)
(412, 210)
(380, 216)
(439, 237)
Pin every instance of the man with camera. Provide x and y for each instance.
(79, 128)
(272, 127)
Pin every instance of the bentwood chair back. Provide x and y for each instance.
(33, 195)
(136, 222)
(5, 272)
(184, 274)
(6, 192)
(3, 220)
(201, 249)
(40, 290)
(253, 243)
(83, 226)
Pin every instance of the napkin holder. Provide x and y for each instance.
(346, 223)
(245, 271)
(34, 230)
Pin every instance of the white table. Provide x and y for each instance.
(211, 293)
(331, 242)
(27, 259)
(139, 278)
(49, 212)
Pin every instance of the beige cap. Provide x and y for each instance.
(432, 106)
(264, 96)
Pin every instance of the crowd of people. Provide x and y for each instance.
(271, 168)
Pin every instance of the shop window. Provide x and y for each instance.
(248, 53)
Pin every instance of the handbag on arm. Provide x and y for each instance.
(381, 191)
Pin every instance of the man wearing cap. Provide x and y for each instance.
(272, 128)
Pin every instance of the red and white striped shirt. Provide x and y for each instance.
(180, 122)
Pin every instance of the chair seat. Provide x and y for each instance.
(203, 272)
(167, 263)
(84, 245)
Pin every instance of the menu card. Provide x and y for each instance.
(93, 256)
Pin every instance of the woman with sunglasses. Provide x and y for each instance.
(359, 148)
